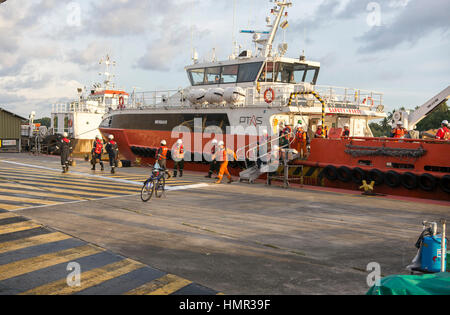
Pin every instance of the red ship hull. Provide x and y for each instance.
(350, 158)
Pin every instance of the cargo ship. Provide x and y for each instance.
(240, 99)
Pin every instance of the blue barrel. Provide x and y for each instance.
(431, 253)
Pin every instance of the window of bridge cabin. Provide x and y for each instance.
(213, 75)
(229, 74)
(197, 76)
(248, 72)
(310, 76)
(267, 74)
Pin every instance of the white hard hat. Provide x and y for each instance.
(214, 141)
(163, 142)
(445, 122)
(179, 141)
(319, 124)
(97, 137)
(221, 143)
(347, 125)
(400, 123)
(65, 135)
(110, 137)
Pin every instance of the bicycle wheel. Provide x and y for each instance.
(147, 190)
(160, 186)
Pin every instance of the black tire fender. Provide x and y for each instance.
(392, 179)
(377, 176)
(445, 183)
(427, 182)
(330, 172)
(358, 175)
(344, 174)
(409, 181)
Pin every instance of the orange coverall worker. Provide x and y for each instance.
(223, 156)
(399, 133)
(302, 141)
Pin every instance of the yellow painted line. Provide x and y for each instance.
(40, 194)
(68, 191)
(86, 190)
(5, 206)
(88, 279)
(28, 200)
(7, 215)
(21, 267)
(17, 227)
(32, 241)
(161, 286)
(71, 182)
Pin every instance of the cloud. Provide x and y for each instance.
(415, 21)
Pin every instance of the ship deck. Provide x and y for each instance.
(233, 238)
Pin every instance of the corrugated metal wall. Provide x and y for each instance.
(9, 126)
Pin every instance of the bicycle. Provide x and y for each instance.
(155, 184)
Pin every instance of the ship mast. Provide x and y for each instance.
(276, 24)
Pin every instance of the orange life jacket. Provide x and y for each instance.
(98, 147)
(163, 153)
(399, 132)
(301, 135)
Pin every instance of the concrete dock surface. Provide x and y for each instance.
(233, 238)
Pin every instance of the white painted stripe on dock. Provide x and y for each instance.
(168, 188)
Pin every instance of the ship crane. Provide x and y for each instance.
(411, 119)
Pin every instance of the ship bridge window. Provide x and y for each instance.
(288, 73)
(249, 71)
(197, 76)
(213, 75)
(229, 74)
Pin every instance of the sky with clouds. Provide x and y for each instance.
(49, 48)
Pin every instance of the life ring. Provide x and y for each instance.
(269, 100)
(367, 100)
(70, 123)
(121, 102)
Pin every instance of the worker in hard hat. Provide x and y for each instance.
(262, 148)
(302, 139)
(65, 147)
(97, 150)
(285, 135)
(178, 158)
(112, 148)
(320, 132)
(399, 132)
(213, 165)
(444, 132)
(222, 157)
(346, 132)
(161, 157)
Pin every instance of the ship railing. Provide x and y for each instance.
(334, 97)
(340, 97)
(157, 99)
(76, 107)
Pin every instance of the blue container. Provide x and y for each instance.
(431, 253)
